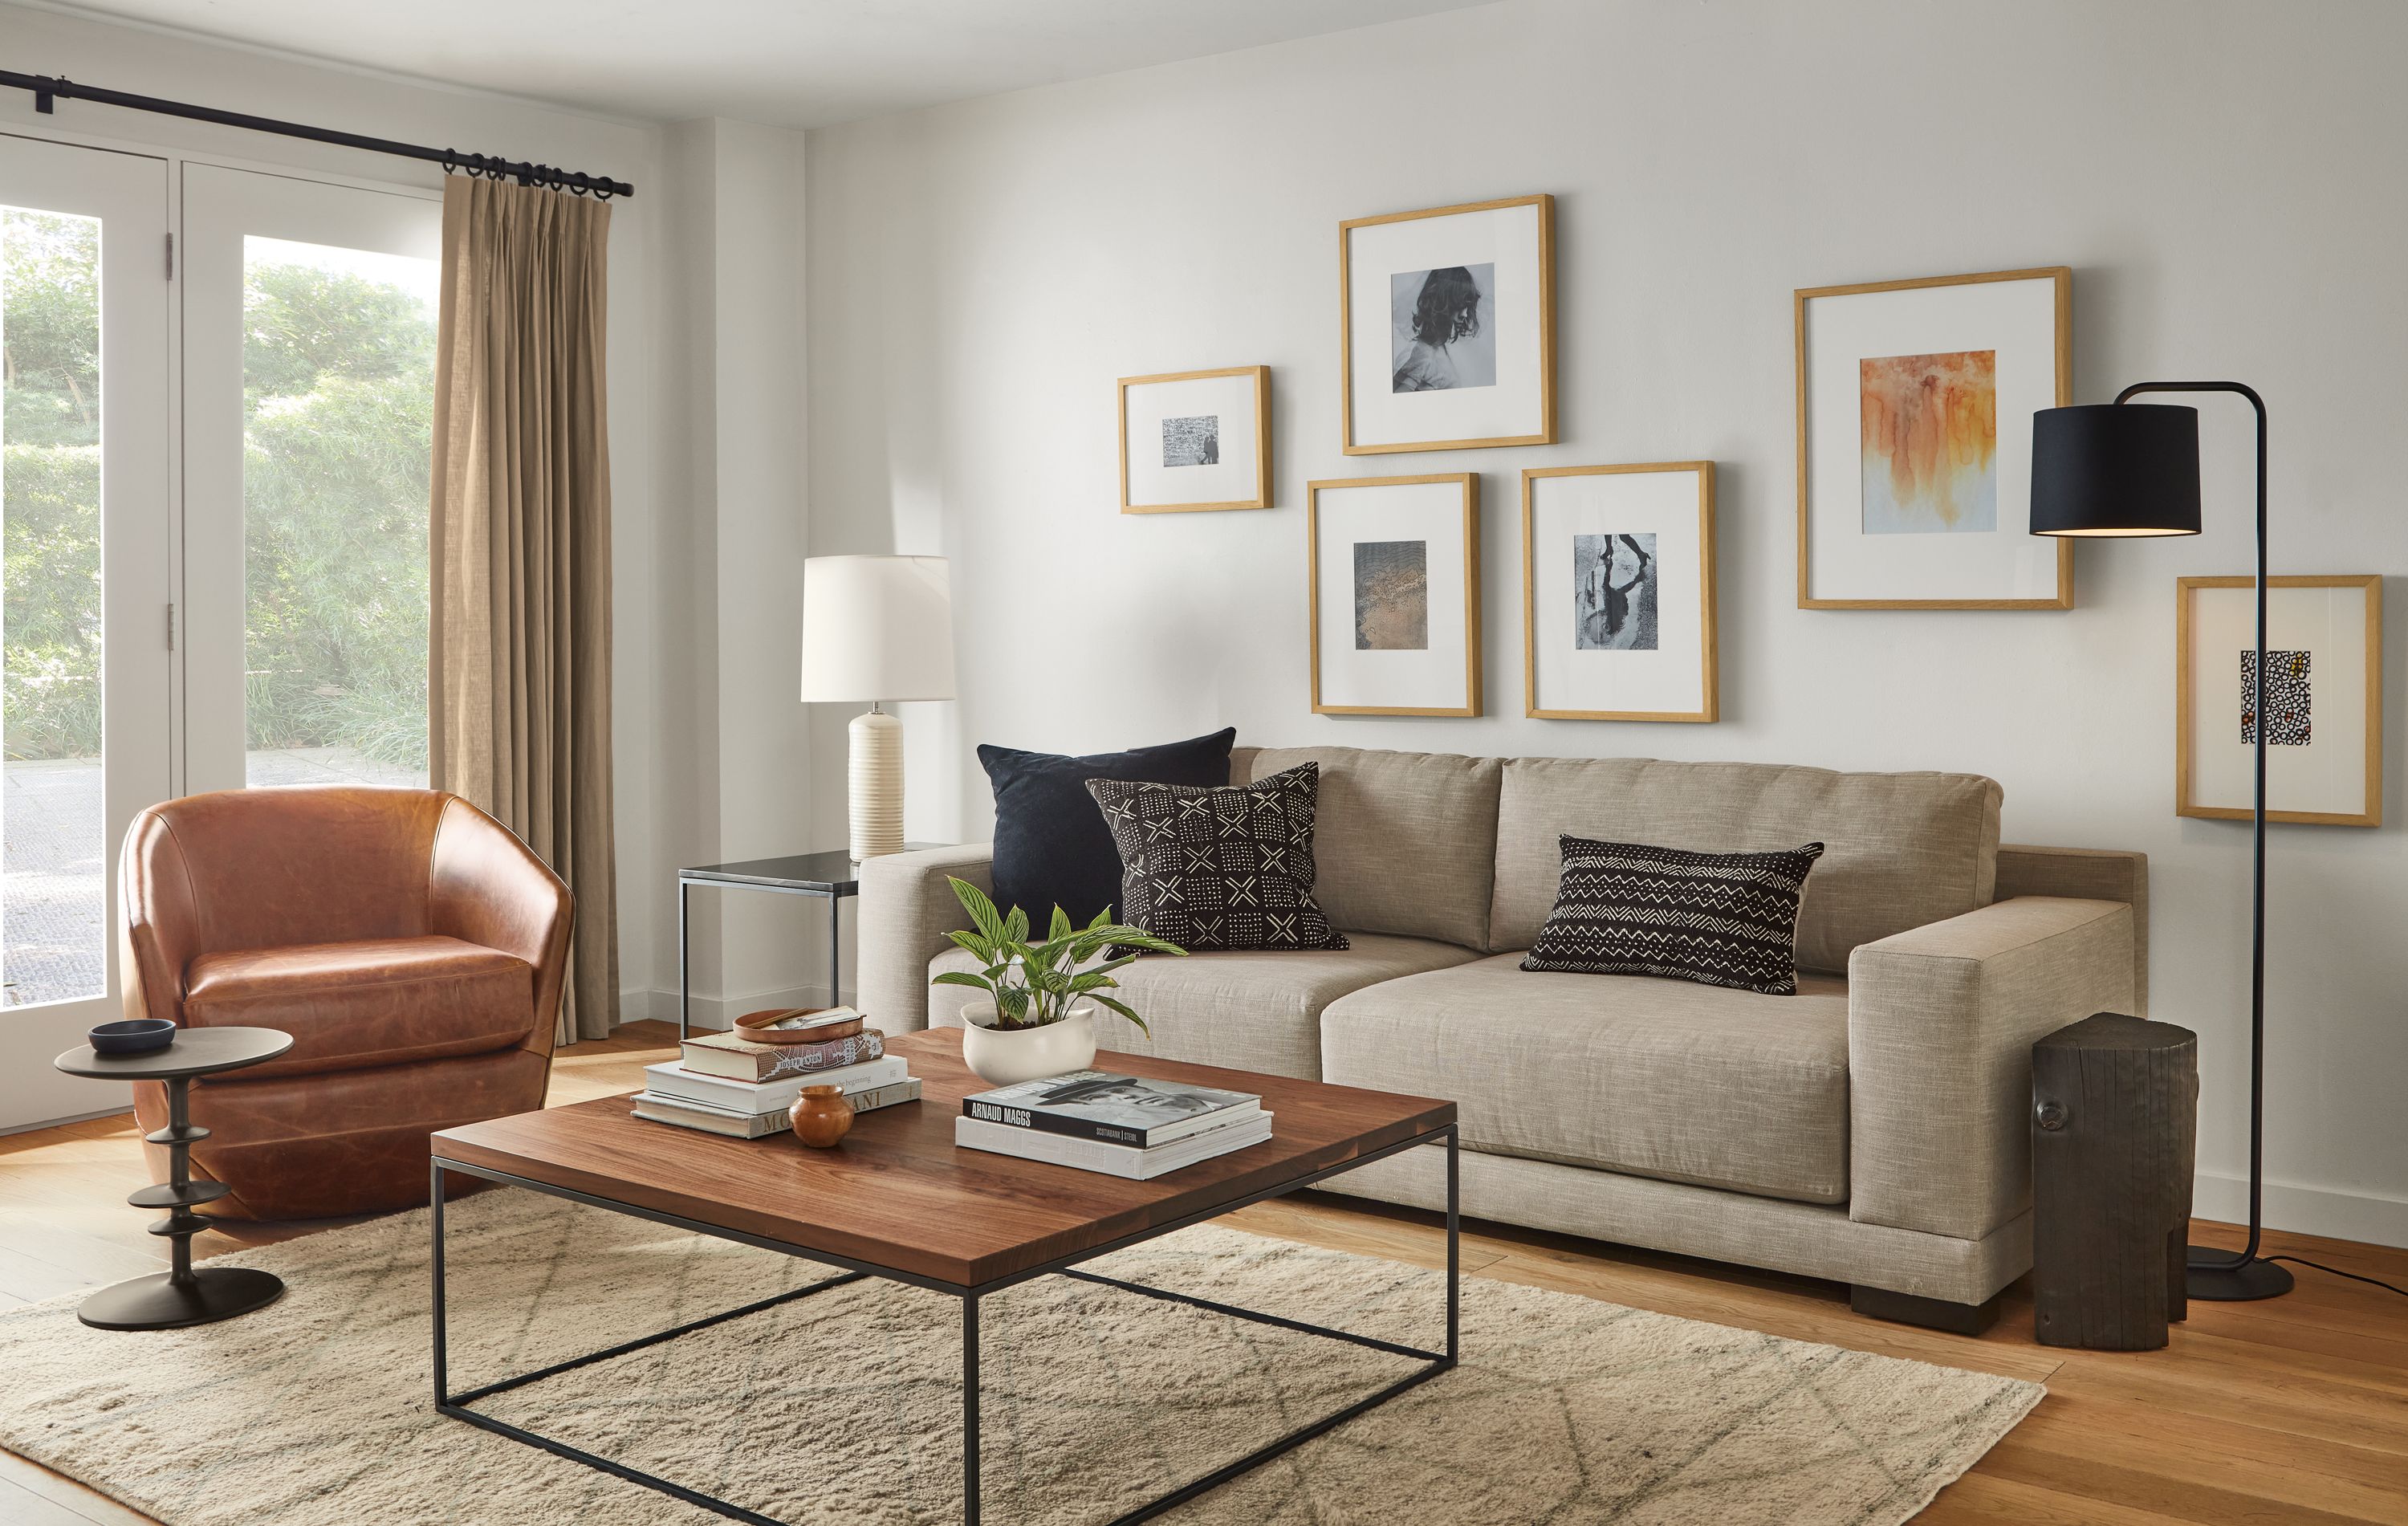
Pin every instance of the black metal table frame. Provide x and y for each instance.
(688, 879)
(456, 1405)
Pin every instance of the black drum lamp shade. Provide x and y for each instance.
(2116, 468)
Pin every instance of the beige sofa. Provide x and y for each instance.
(1870, 1130)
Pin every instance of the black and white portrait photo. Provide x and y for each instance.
(1443, 328)
(1391, 595)
(1192, 441)
(1614, 593)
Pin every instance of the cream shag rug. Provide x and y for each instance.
(845, 1407)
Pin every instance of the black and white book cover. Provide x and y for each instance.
(1117, 1109)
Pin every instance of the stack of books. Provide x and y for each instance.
(1121, 1125)
(741, 1083)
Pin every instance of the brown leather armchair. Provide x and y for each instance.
(412, 947)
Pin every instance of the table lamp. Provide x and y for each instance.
(876, 629)
(2126, 469)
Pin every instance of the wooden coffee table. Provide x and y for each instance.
(899, 1200)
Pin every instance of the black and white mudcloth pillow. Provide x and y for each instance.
(1226, 867)
(1716, 918)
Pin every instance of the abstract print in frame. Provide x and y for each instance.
(2324, 699)
(1914, 405)
(1195, 440)
(1618, 592)
(1393, 570)
(1447, 320)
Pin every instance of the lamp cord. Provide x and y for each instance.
(2299, 1261)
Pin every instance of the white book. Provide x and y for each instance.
(1109, 1159)
(670, 1079)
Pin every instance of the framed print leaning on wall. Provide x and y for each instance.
(1448, 319)
(1195, 440)
(1393, 569)
(1618, 592)
(1914, 408)
(2324, 698)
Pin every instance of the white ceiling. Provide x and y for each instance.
(791, 62)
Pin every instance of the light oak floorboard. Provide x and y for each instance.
(2294, 1410)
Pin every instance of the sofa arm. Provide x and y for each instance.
(907, 908)
(2089, 875)
(1941, 1024)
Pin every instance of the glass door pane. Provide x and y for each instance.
(85, 526)
(54, 889)
(310, 313)
(338, 393)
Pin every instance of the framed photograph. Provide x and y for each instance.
(1195, 440)
(1395, 594)
(1618, 592)
(1448, 321)
(1914, 408)
(2324, 699)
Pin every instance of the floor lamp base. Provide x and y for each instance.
(2215, 1277)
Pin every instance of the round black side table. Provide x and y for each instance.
(180, 1296)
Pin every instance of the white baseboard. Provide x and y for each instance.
(719, 1011)
(2304, 1210)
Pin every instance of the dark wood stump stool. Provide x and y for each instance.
(2115, 1125)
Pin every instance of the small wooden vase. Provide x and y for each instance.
(821, 1116)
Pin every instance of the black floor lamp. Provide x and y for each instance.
(2125, 469)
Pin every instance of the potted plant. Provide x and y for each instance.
(1040, 1019)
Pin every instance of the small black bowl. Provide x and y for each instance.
(132, 1036)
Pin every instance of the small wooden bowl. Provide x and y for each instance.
(756, 1027)
(821, 1116)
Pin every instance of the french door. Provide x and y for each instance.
(86, 500)
(309, 384)
(213, 486)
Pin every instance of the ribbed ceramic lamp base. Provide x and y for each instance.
(875, 783)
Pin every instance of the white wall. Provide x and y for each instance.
(2223, 178)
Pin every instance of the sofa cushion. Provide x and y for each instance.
(1901, 849)
(1407, 842)
(1251, 1010)
(373, 1001)
(1655, 1078)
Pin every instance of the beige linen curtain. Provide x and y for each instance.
(520, 658)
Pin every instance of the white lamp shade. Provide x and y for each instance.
(877, 628)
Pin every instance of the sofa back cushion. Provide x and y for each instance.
(1405, 843)
(1900, 849)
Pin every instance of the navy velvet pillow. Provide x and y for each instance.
(1052, 847)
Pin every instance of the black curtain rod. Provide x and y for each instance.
(47, 89)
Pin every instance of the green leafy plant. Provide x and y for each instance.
(1035, 985)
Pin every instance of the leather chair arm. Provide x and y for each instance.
(485, 886)
(161, 932)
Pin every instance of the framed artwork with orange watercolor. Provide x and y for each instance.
(1914, 405)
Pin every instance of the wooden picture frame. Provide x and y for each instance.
(1701, 595)
(1255, 483)
(2189, 786)
(1358, 693)
(2011, 424)
(1531, 378)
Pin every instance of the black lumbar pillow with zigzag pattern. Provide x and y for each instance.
(1716, 918)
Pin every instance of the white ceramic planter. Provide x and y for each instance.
(1007, 1056)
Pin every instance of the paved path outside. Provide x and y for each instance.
(53, 894)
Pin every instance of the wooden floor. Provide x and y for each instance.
(2294, 1409)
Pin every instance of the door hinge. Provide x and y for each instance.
(171, 627)
(171, 256)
